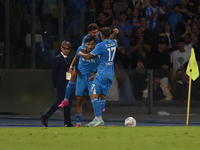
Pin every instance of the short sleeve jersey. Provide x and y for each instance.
(86, 66)
(98, 40)
(106, 51)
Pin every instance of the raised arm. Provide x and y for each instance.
(86, 56)
(114, 34)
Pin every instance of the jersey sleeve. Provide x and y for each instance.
(116, 43)
(96, 51)
(83, 41)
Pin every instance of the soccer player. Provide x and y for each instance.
(105, 73)
(93, 31)
(86, 70)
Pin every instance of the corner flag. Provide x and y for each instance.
(192, 66)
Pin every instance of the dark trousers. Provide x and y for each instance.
(54, 107)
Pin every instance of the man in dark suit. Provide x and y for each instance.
(59, 75)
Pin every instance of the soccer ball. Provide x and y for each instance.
(130, 122)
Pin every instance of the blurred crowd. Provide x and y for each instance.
(153, 34)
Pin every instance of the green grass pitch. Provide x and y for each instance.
(100, 138)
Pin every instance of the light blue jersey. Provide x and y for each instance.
(105, 71)
(86, 66)
(98, 40)
(106, 51)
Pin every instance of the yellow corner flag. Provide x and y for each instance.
(192, 66)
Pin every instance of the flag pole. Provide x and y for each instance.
(188, 104)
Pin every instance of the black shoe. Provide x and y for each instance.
(69, 125)
(44, 121)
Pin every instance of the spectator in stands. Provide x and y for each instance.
(169, 36)
(165, 9)
(134, 21)
(130, 3)
(160, 60)
(195, 31)
(138, 77)
(188, 42)
(141, 9)
(119, 5)
(168, 3)
(129, 12)
(187, 8)
(190, 38)
(177, 78)
(176, 17)
(91, 5)
(157, 30)
(140, 50)
(101, 21)
(146, 32)
(122, 56)
(143, 3)
(160, 91)
(106, 8)
(119, 36)
(180, 57)
(152, 13)
(126, 29)
(181, 90)
(143, 24)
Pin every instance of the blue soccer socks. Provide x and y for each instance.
(97, 107)
(69, 89)
(78, 118)
(102, 102)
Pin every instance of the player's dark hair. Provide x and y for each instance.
(89, 38)
(92, 26)
(106, 32)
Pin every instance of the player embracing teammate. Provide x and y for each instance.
(93, 32)
(105, 73)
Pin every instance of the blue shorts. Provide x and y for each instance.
(101, 84)
(82, 84)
